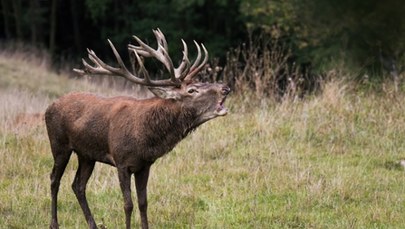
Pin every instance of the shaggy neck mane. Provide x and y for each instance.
(172, 121)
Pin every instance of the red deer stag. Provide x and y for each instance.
(125, 132)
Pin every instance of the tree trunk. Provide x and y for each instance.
(35, 20)
(53, 26)
(76, 25)
(17, 17)
(5, 5)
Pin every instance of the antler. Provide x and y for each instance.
(177, 75)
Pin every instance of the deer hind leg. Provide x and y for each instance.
(124, 176)
(141, 181)
(79, 188)
(61, 158)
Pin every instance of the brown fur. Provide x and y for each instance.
(124, 132)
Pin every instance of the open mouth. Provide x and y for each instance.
(221, 109)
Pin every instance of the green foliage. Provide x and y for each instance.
(268, 14)
(364, 30)
(68, 27)
(97, 8)
(322, 31)
(366, 34)
(177, 19)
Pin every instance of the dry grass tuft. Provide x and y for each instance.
(331, 160)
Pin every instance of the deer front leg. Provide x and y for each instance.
(124, 177)
(141, 181)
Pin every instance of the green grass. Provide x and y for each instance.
(329, 161)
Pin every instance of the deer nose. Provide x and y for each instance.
(225, 90)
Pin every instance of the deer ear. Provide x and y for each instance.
(164, 93)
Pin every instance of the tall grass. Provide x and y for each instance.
(327, 161)
(265, 69)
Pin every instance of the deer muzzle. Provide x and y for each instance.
(221, 109)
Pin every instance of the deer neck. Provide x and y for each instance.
(177, 118)
(166, 124)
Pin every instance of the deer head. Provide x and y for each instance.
(206, 98)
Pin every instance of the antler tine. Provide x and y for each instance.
(142, 67)
(177, 75)
(100, 68)
(89, 69)
(94, 70)
(197, 60)
(118, 58)
(194, 70)
(182, 70)
(139, 50)
(160, 53)
(104, 69)
(128, 74)
(79, 71)
(161, 39)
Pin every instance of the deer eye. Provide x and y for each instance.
(191, 90)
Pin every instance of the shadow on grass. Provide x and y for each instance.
(394, 165)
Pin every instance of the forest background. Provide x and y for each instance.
(366, 36)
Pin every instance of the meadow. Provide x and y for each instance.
(330, 160)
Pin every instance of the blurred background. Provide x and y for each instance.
(313, 36)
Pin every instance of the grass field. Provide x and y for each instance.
(328, 161)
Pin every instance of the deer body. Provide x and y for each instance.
(120, 130)
(125, 132)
